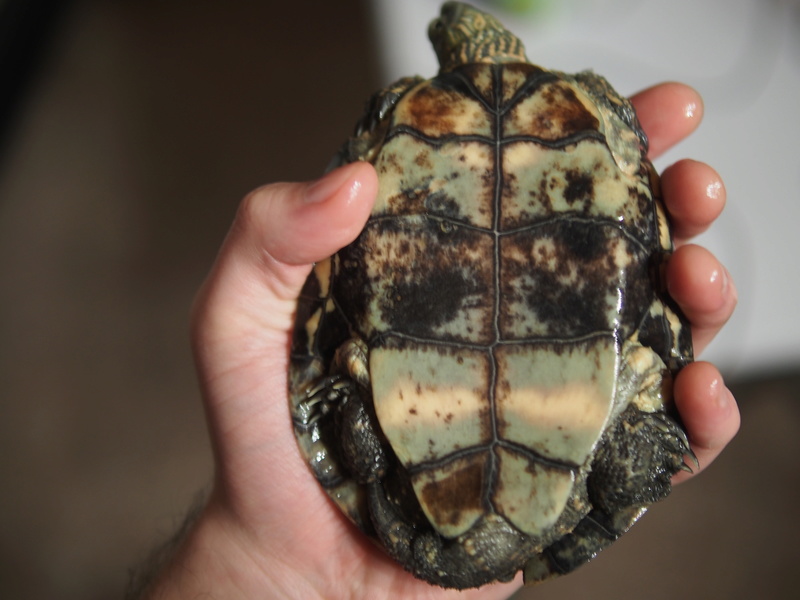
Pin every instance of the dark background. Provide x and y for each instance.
(129, 131)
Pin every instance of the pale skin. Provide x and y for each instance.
(268, 530)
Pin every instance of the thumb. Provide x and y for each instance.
(243, 314)
(279, 231)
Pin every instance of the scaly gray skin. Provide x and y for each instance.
(480, 381)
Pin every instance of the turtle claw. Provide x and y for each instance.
(684, 439)
(319, 399)
(330, 386)
(675, 439)
(690, 453)
(685, 448)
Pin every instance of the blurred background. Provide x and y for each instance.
(130, 130)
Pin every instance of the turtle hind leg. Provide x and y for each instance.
(491, 551)
(632, 469)
(635, 462)
(361, 444)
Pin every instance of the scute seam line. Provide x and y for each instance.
(560, 143)
(530, 87)
(491, 477)
(461, 453)
(563, 218)
(377, 338)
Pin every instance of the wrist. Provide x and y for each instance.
(208, 557)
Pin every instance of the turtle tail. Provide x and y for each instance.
(491, 553)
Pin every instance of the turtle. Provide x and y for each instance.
(482, 380)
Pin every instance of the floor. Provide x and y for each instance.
(147, 123)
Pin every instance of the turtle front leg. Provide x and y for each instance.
(371, 127)
(633, 468)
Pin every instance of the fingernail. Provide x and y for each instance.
(729, 287)
(724, 399)
(726, 280)
(327, 185)
(714, 190)
(721, 278)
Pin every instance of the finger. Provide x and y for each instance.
(703, 288)
(668, 113)
(708, 411)
(694, 196)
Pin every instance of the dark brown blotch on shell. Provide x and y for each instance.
(567, 290)
(461, 490)
(580, 187)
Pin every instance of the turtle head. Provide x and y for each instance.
(462, 35)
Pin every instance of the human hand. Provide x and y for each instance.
(268, 528)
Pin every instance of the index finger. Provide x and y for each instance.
(668, 112)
